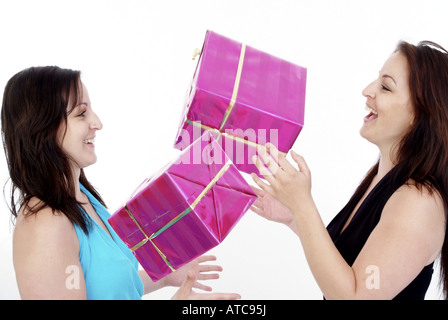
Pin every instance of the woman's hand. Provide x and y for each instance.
(198, 269)
(187, 276)
(285, 183)
(267, 207)
(186, 292)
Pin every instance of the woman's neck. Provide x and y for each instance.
(385, 164)
(79, 194)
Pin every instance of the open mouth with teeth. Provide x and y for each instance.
(89, 141)
(372, 114)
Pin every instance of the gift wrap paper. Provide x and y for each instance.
(247, 95)
(186, 209)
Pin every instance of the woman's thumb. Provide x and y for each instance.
(189, 281)
(185, 290)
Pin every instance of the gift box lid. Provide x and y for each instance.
(267, 83)
(245, 92)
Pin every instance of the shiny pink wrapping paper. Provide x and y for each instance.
(269, 104)
(159, 200)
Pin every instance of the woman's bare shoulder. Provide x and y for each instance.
(420, 199)
(45, 244)
(420, 212)
(45, 222)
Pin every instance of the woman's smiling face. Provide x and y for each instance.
(391, 112)
(78, 141)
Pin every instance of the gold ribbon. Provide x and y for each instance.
(228, 135)
(196, 53)
(230, 107)
(175, 219)
(236, 86)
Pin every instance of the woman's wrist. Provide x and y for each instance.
(293, 226)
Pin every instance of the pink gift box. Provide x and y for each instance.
(186, 209)
(249, 96)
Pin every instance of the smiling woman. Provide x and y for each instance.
(389, 103)
(394, 227)
(48, 131)
(35, 105)
(78, 134)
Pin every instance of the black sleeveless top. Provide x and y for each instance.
(350, 241)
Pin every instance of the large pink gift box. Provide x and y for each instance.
(247, 95)
(186, 209)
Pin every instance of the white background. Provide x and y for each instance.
(135, 56)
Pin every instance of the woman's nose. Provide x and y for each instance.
(369, 91)
(96, 123)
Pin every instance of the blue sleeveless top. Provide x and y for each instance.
(110, 269)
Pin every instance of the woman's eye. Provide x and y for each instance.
(82, 114)
(385, 88)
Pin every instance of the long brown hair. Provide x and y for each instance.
(422, 155)
(35, 105)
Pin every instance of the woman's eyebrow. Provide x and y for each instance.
(82, 104)
(390, 77)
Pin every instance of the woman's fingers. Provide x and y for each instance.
(205, 258)
(301, 163)
(263, 185)
(269, 159)
(260, 193)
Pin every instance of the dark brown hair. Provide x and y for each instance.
(422, 154)
(35, 105)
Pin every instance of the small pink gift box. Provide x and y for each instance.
(248, 96)
(186, 209)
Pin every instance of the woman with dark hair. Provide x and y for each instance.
(63, 246)
(383, 243)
